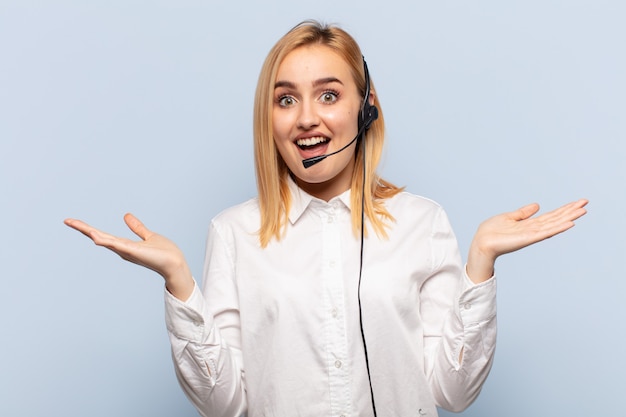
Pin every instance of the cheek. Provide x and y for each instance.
(281, 141)
(280, 126)
(338, 119)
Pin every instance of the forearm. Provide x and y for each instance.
(462, 354)
(210, 377)
(208, 370)
(457, 382)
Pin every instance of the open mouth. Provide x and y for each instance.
(312, 143)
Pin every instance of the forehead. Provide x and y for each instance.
(312, 62)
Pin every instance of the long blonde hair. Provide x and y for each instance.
(271, 170)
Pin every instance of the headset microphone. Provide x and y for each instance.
(367, 116)
(309, 162)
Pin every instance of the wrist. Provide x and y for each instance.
(480, 265)
(180, 283)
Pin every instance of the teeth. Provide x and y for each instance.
(311, 141)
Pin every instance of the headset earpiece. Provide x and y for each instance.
(369, 113)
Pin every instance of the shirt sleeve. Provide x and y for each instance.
(459, 324)
(205, 338)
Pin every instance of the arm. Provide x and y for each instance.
(460, 327)
(208, 369)
(205, 333)
(459, 320)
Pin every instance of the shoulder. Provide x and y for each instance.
(405, 203)
(247, 208)
(243, 217)
(417, 216)
(414, 212)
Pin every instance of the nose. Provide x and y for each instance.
(308, 117)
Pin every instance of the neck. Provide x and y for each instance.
(330, 189)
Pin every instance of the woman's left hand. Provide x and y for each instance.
(509, 232)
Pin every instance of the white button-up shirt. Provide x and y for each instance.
(275, 331)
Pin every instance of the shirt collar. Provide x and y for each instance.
(301, 200)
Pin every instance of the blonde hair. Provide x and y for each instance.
(271, 169)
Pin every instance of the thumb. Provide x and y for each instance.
(525, 212)
(137, 226)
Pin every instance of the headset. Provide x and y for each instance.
(367, 115)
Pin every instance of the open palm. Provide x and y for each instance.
(515, 230)
(153, 251)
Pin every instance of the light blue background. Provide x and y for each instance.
(145, 106)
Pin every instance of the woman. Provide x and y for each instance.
(298, 315)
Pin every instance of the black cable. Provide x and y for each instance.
(367, 364)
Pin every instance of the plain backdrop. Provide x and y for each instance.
(145, 106)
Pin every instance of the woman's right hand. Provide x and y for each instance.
(153, 251)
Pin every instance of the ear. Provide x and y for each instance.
(372, 97)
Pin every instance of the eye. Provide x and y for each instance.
(329, 96)
(286, 101)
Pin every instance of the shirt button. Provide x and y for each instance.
(332, 264)
(334, 312)
(331, 219)
(467, 306)
(337, 364)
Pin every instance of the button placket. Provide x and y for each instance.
(336, 346)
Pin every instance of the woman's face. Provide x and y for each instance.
(315, 111)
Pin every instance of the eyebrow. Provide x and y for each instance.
(316, 83)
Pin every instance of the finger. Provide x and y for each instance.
(81, 226)
(580, 203)
(137, 226)
(561, 219)
(568, 212)
(575, 210)
(525, 212)
(98, 237)
(75, 224)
